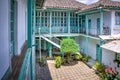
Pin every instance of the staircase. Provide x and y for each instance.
(50, 41)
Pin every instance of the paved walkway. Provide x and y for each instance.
(79, 71)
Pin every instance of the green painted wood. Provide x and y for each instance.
(26, 65)
(50, 49)
(78, 24)
(50, 22)
(29, 23)
(101, 29)
(97, 52)
(57, 9)
(7, 74)
(12, 28)
(33, 52)
(86, 35)
(68, 22)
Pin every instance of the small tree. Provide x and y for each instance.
(69, 46)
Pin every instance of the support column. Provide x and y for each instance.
(33, 40)
(50, 49)
(69, 22)
(78, 25)
(101, 29)
(40, 37)
(86, 35)
(50, 23)
(30, 35)
(29, 23)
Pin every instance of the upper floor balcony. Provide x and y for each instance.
(95, 32)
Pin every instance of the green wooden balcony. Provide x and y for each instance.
(95, 32)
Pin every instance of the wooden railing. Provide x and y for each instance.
(26, 69)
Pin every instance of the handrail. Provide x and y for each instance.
(26, 66)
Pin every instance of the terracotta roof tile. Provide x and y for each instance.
(102, 3)
(65, 4)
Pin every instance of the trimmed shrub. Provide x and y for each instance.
(58, 61)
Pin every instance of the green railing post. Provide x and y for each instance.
(101, 29)
(86, 35)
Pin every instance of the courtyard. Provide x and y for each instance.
(77, 71)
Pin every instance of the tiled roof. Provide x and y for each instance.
(102, 3)
(63, 4)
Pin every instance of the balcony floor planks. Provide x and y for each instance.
(17, 63)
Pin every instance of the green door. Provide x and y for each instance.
(98, 26)
(12, 42)
(89, 26)
(97, 52)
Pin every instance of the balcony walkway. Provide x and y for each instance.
(17, 63)
(78, 71)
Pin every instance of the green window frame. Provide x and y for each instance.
(117, 18)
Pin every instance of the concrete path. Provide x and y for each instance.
(78, 71)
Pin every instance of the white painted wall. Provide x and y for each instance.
(108, 58)
(4, 37)
(22, 7)
(106, 21)
(93, 18)
(115, 28)
(91, 45)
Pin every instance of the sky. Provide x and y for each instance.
(90, 1)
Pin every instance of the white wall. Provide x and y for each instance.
(22, 7)
(115, 28)
(93, 18)
(108, 58)
(106, 21)
(4, 37)
(91, 45)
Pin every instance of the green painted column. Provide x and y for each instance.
(29, 23)
(68, 22)
(86, 35)
(101, 29)
(50, 49)
(30, 35)
(78, 25)
(50, 22)
(33, 48)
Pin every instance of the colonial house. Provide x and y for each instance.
(43, 23)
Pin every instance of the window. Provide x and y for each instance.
(117, 18)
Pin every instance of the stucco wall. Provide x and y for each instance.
(115, 28)
(4, 37)
(21, 24)
(108, 58)
(91, 45)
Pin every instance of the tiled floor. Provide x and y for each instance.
(78, 71)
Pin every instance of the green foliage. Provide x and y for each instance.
(42, 62)
(86, 59)
(99, 67)
(78, 56)
(58, 62)
(69, 46)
